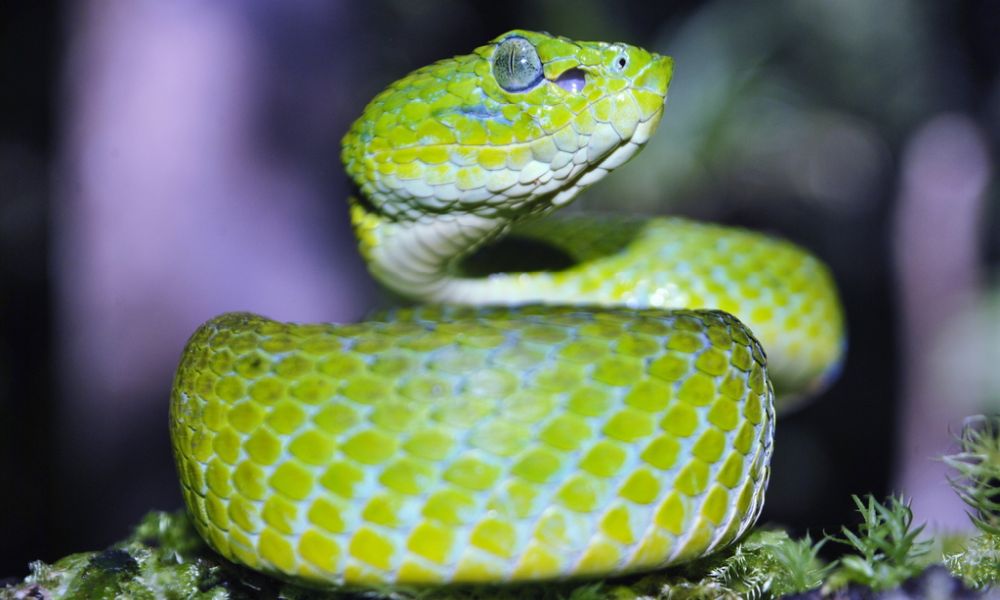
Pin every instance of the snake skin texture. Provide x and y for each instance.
(592, 420)
(784, 294)
(449, 445)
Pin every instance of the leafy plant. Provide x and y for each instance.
(886, 550)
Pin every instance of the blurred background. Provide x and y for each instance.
(162, 162)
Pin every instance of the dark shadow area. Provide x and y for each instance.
(515, 254)
(30, 49)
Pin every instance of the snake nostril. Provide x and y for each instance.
(572, 80)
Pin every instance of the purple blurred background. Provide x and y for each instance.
(161, 163)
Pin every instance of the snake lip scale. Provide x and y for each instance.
(610, 416)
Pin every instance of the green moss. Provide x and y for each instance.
(978, 468)
(165, 558)
(159, 560)
(978, 563)
(977, 464)
(765, 564)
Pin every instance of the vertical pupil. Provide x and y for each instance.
(509, 61)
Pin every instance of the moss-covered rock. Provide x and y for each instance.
(165, 558)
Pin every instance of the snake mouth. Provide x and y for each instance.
(572, 80)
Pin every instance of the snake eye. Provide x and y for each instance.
(516, 65)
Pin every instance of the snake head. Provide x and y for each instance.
(517, 127)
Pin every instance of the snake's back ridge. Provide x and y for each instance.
(600, 419)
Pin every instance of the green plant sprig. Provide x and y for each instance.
(886, 549)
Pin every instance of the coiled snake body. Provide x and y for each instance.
(599, 418)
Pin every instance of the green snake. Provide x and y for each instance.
(605, 416)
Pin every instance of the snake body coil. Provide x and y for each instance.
(614, 432)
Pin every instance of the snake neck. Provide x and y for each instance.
(419, 259)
